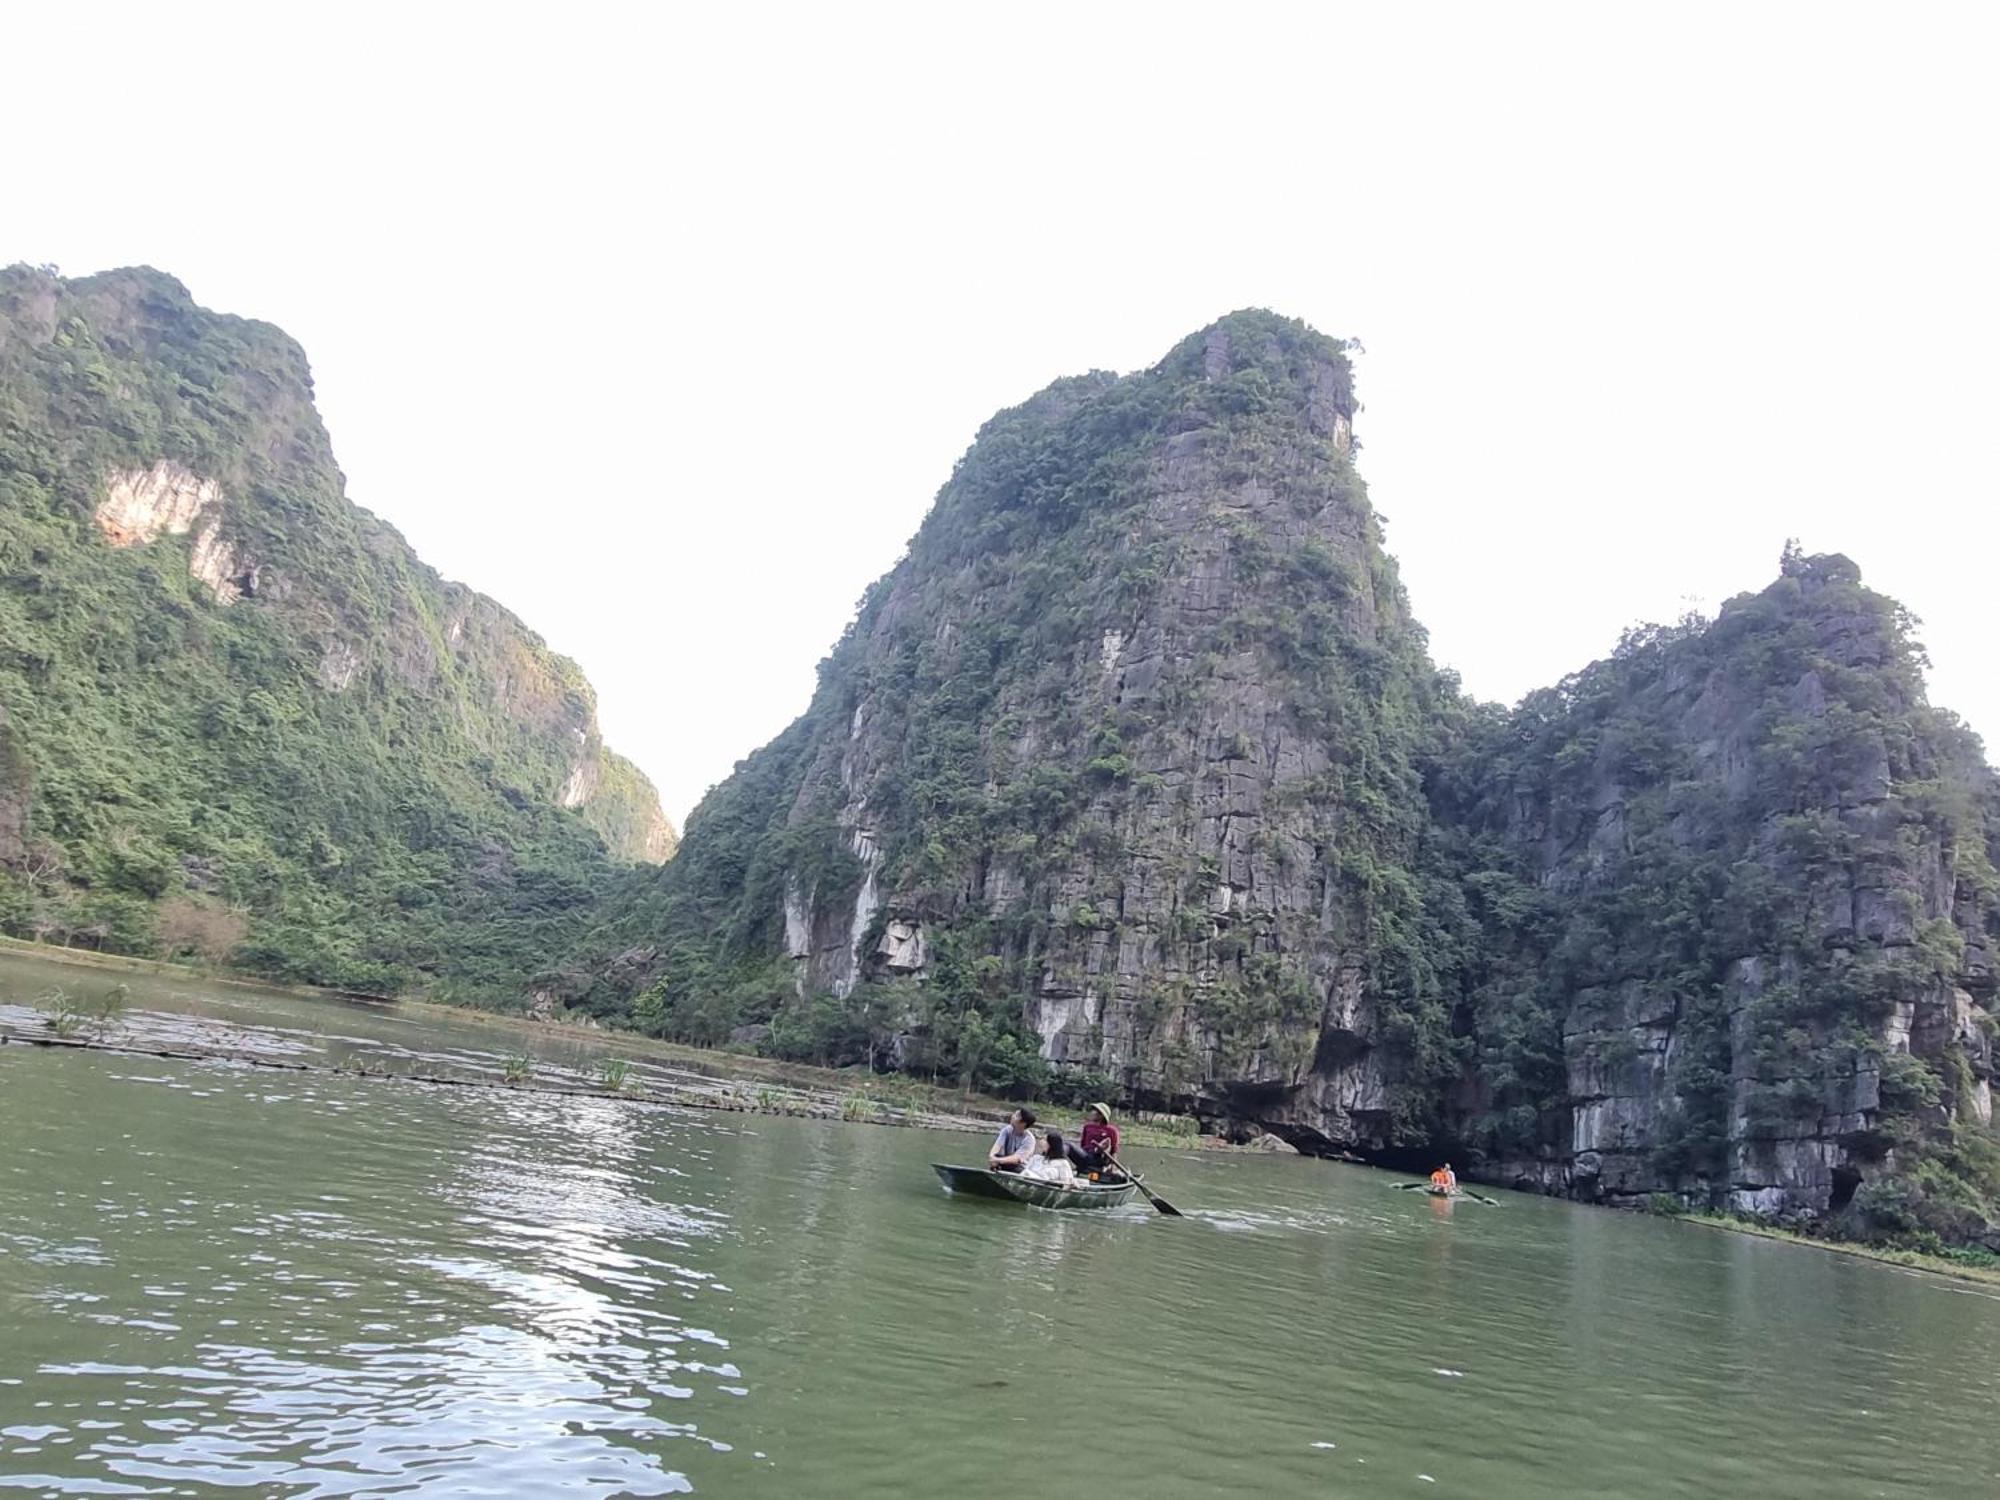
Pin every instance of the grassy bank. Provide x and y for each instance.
(119, 963)
(743, 1082)
(1973, 1267)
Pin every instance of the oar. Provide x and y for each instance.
(1461, 1192)
(1151, 1197)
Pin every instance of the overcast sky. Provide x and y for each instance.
(664, 328)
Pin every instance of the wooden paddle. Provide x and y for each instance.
(1151, 1197)
(1461, 1192)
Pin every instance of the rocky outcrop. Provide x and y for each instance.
(221, 566)
(338, 662)
(1769, 892)
(581, 782)
(1137, 763)
(1133, 734)
(1193, 846)
(142, 504)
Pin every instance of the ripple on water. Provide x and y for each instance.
(358, 1290)
(408, 1315)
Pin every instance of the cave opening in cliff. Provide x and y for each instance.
(1418, 1160)
(1845, 1181)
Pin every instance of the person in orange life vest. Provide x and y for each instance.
(1444, 1179)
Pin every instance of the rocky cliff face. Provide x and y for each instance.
(1134, 774)
(1117, 775)
(231, 687)
(1761, 916)
(1122, 729)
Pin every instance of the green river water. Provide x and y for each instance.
(220, 1280)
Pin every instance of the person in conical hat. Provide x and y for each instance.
(1097, 1143)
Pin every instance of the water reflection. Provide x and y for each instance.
(212, 1285)
(529, 1315)
(485, 1407)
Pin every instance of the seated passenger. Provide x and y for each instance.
(1014, 1147)
(1052, 1165)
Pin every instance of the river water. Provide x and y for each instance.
(219, 1280)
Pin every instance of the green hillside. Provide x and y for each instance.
(242, 718)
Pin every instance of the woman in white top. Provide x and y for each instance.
(1051, 1163)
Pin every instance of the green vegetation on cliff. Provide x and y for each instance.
(1135, 776)
(1129, 592)
(1739, 893)
(241, 718)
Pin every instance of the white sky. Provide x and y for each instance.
(663, 325)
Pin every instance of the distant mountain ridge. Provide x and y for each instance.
(235, 697)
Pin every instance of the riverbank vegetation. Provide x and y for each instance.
(73, 1011)
(524, 1053)
(811, 1094)
(1963, 1262)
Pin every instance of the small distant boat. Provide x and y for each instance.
(980, 1182)
(1428, 1189)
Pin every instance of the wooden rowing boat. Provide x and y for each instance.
(1453, 1194)
(1428, 1189)
(980, 1182)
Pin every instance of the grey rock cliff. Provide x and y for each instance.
(1774, 784)
(1135, 726)
(1138, 762)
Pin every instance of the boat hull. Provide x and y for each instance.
(979, 1182)
(1449, 1194)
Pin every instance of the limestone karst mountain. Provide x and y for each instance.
(241, 717)
(1135, 776)
(1735, 903)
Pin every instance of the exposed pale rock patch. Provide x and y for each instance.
(218, 562)
(338, 663)
(140, 505)
(581, 782)
(902, 947)
(798, 921)
(1109, 648)
(662, 838)
(143, 505)
(867, 901)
